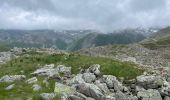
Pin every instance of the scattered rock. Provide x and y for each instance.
(12, 78)
(110, 97)
(76, 80)
(149, 95)
(36, 87)
(103, 87)
(120, 96)
(53, 72)
(90, 90)
(48, 96)
(64, 70)
(150, 81)
(112, 82)
(10, 87)
(32, 80)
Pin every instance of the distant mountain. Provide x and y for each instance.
(160, 39)
(40, 38)
(70, 40)
(99, 39)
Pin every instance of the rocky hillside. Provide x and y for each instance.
(133, 52)
(117, 37)
(160, 39)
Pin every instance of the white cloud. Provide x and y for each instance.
(104, 15)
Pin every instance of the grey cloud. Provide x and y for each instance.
(104, 15)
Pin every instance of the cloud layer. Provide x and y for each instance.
(103, 15)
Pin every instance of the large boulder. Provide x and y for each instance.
(89, 77)
(52, 71)
(12, 78)
(165, 90)
(112, 82)
(76, 80)
(150, 94)
(61, 89)
(103, 87)
(149, 81)
(64, 70)
(90, 90)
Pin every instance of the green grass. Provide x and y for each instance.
(29, 63)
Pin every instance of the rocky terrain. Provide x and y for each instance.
(112, 72)
(63, 81)
(134, 52)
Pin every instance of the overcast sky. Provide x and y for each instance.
(104, 15)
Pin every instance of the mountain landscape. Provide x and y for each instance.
(69, 40)
(84, 50)
(88, 62)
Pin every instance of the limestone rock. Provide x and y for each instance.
(36, 87)
(149, 95)
(103, 87)
(94, 69)
(89, 77)
(76, 80)
(90, 90)
(112, 82)
(12, 78)
(32, 80)
(52, 71)
(150, 81)
(10, 87)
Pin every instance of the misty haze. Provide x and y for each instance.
(84, 50)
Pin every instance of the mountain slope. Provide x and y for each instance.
(40, 38)
(99, 39)
(160, 39)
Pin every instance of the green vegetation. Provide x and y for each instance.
(28, 63)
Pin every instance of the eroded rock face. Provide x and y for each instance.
(90, 90)
(149, 95)
(12, 78)
(149, 81)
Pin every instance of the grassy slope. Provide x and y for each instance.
(30, 63)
